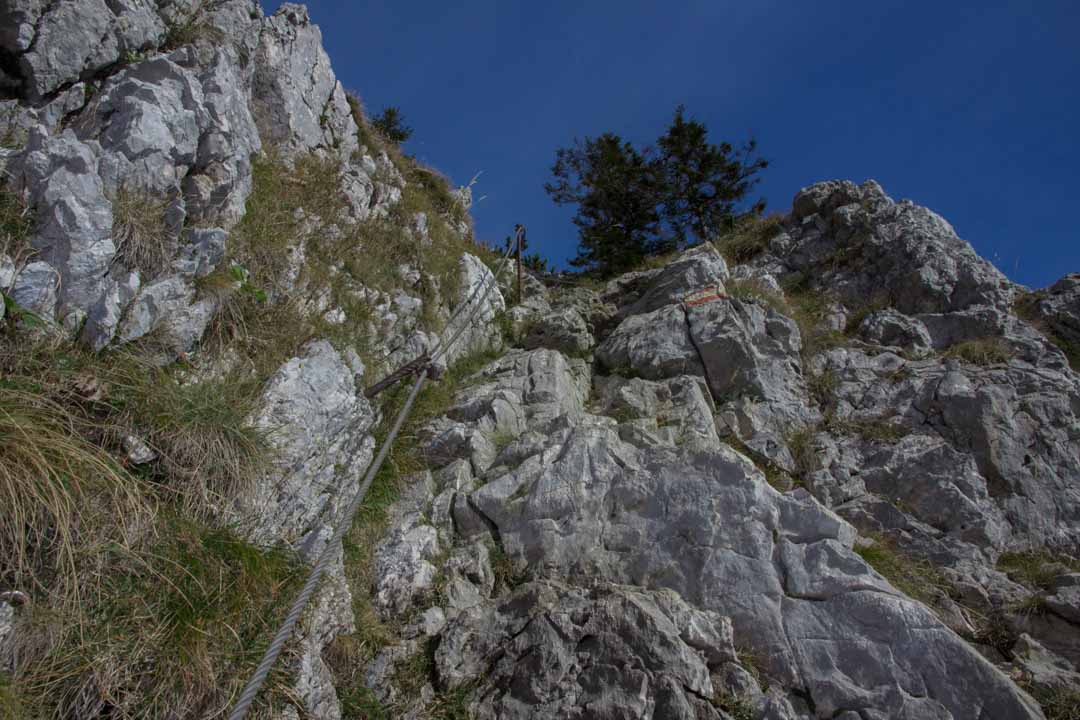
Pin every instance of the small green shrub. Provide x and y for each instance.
(737, 708)
(194, 29)
(982, 351)
(390, 123)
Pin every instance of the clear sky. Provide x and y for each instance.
(969, 108)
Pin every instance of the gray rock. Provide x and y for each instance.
(894, 329)
(856, 241)
(1058, 308)
(218, 185)
(298, 103)
(35, 289)
(552, 651)
(201, 253)
(167, 307)
(698, 268)
(18, 21)
(61, 42)
(592, 506)
(403, 568)
(940, 487)
(481, 302)
(148, 120)
(655, 345)
(138, 452)
(73, 227)
(7, 636)
(749, 349)
(563, 329)
(319, 425)
(7, 272)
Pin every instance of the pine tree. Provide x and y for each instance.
(614, 186)
(633, 202)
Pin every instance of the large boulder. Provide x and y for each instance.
(654, 345)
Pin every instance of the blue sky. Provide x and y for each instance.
(971, 109)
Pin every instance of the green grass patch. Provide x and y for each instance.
(1058, 703)
(1036, 569)
(139, 231)
(915, 577)
(756, 291)
(874, 430)
(982, 351)
(749, 239)
(173, 629)
(16, 225)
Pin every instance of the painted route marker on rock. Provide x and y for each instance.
(703, 296)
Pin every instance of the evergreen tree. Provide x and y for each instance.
(635, 202)
(614, 186)
(390, 123)
(702, 182)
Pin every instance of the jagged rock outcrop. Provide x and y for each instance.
(636, 487)
(666, 502)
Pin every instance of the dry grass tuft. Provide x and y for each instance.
(142, 240)
(749, 239)
(63, 497)
(982, 351)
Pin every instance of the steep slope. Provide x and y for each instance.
(838, 479)
(827, 466)
(207, 255)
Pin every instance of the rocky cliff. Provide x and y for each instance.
(827, 466)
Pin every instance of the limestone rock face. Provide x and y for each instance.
(555, 649)
(298, 102)
(897, 251)
(667, 500)
(587, 500)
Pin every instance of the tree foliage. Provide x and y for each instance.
(390, 123)
(633, 202)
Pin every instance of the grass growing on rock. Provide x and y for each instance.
(139, 232)
(917, 578)
(749, 239)
(1037, 569)
(1026, 307)
(349, 654)
(981, 351)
